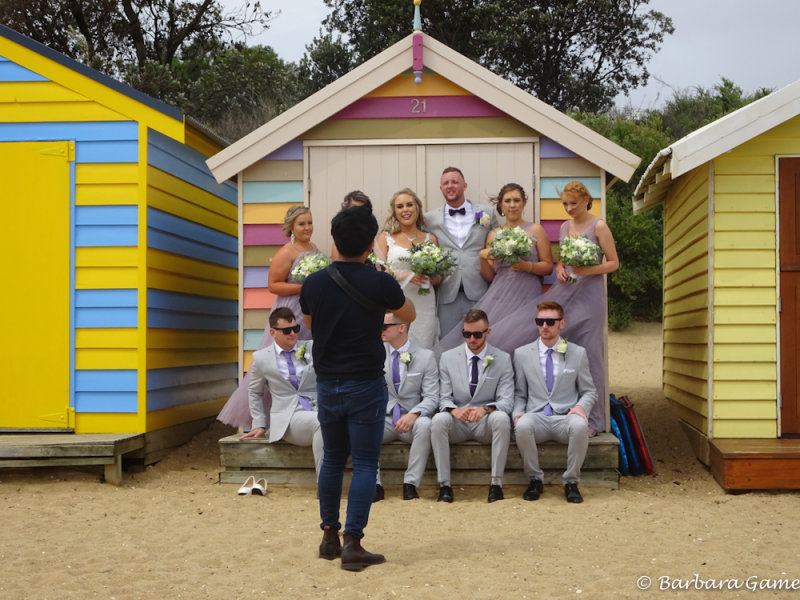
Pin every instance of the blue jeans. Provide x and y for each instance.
(351, 415)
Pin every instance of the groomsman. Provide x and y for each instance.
(462, 227)
(286, 367)
(476, 397)
(554, 393)
(413, 383)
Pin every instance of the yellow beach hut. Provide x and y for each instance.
(397, 121)
(119, 257)
(731, 196)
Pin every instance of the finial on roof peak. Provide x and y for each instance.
(417, 18)
(417, 44)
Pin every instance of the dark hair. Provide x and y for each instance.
(498, 200)
(551, 306)
(282, 312)
(453, 170)
(475, 315)
(356, 196)
(353, 230)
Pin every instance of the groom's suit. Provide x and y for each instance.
(467, 273)
(572, 387)
(495, 388)
(288, 419)
(418, 392)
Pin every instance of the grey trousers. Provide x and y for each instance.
(533, 428)
(420, 439)
(446, 430)
(451, 315)
(304, 430)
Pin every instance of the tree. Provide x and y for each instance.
(574, 55)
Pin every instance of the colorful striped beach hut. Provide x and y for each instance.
(397, 120)
(120, 258)
(731, 196)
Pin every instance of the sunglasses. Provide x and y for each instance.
(550, 322)
(288, 330)
(386, 326)
(476, 334)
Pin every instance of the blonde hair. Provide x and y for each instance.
(291, 217)
(577, 188)
(392, 225)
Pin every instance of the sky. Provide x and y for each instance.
(754, 43)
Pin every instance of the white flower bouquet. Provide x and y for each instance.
(429, 259)
(310, 263)
(579, 251)
(510, 245)
(380, 265)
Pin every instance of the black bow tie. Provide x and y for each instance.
(460, 211)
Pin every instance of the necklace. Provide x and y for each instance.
(413, 238)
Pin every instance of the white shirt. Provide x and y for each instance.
(459, 225)
(299, 365)
(481, 358)
(558, 359)
(403, 367)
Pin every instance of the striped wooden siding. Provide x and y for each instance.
(192, 264)
(686, 298)
(745, 386)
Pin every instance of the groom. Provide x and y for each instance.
(554, 393)
(462, 227)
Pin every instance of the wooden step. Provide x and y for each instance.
(756, 464)
(66, 449)
(284, 464)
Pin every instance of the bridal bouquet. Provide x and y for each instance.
(579, 251)
(429, 259)
(310, 263)
(510, 245)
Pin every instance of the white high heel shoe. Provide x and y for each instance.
(260, 487)
(247, 487)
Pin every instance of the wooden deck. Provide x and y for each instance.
(756, 464)
(283, 464)
(67, 449)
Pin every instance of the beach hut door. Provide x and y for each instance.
(35, 304)
(789, 218)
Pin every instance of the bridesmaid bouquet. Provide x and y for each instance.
(511, 244)
(579, 251)
(429, 259)
(310, 263)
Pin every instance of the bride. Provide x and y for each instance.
(403, 228)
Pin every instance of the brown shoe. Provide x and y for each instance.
(355, 558)
(331, 546)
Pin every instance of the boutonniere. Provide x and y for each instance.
(482, 219)
(300, 354)
(405, 357)
(488, 360)
(561, 347)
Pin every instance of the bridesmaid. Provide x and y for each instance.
(298, 226)
(405, 227)
(511, 285)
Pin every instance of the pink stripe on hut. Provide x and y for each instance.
(264, 235)
(424, 106)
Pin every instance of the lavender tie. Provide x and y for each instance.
(294, 381)
(396, 369)
(548, 370)
(473, 382)
(397, 412)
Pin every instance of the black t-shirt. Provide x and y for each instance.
(347, 335)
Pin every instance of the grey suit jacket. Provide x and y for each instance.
(495, 385)
(419, 389)
(573, 386)
(467, 273)
(284, 397)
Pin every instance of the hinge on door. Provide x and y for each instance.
(779, 305)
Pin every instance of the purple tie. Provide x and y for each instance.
(294, 381)
(396, 370)
(548, 370)
(473, 382)
(397, 412)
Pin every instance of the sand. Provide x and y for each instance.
(173, 531)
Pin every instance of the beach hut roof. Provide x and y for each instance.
(712, 140)
(446, 62)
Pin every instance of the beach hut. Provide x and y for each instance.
(119, 258)
(731, 196)
(396, 121)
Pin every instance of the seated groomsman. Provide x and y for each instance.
(554, 393)
(286, 368)
(413, 383)
(476, 397)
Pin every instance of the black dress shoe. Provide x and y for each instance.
(409, 491)
(495, 493)
(445, 494)
(534, 490)
(331, 546)
(572, 493)
(378, 493)
(355, 558)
